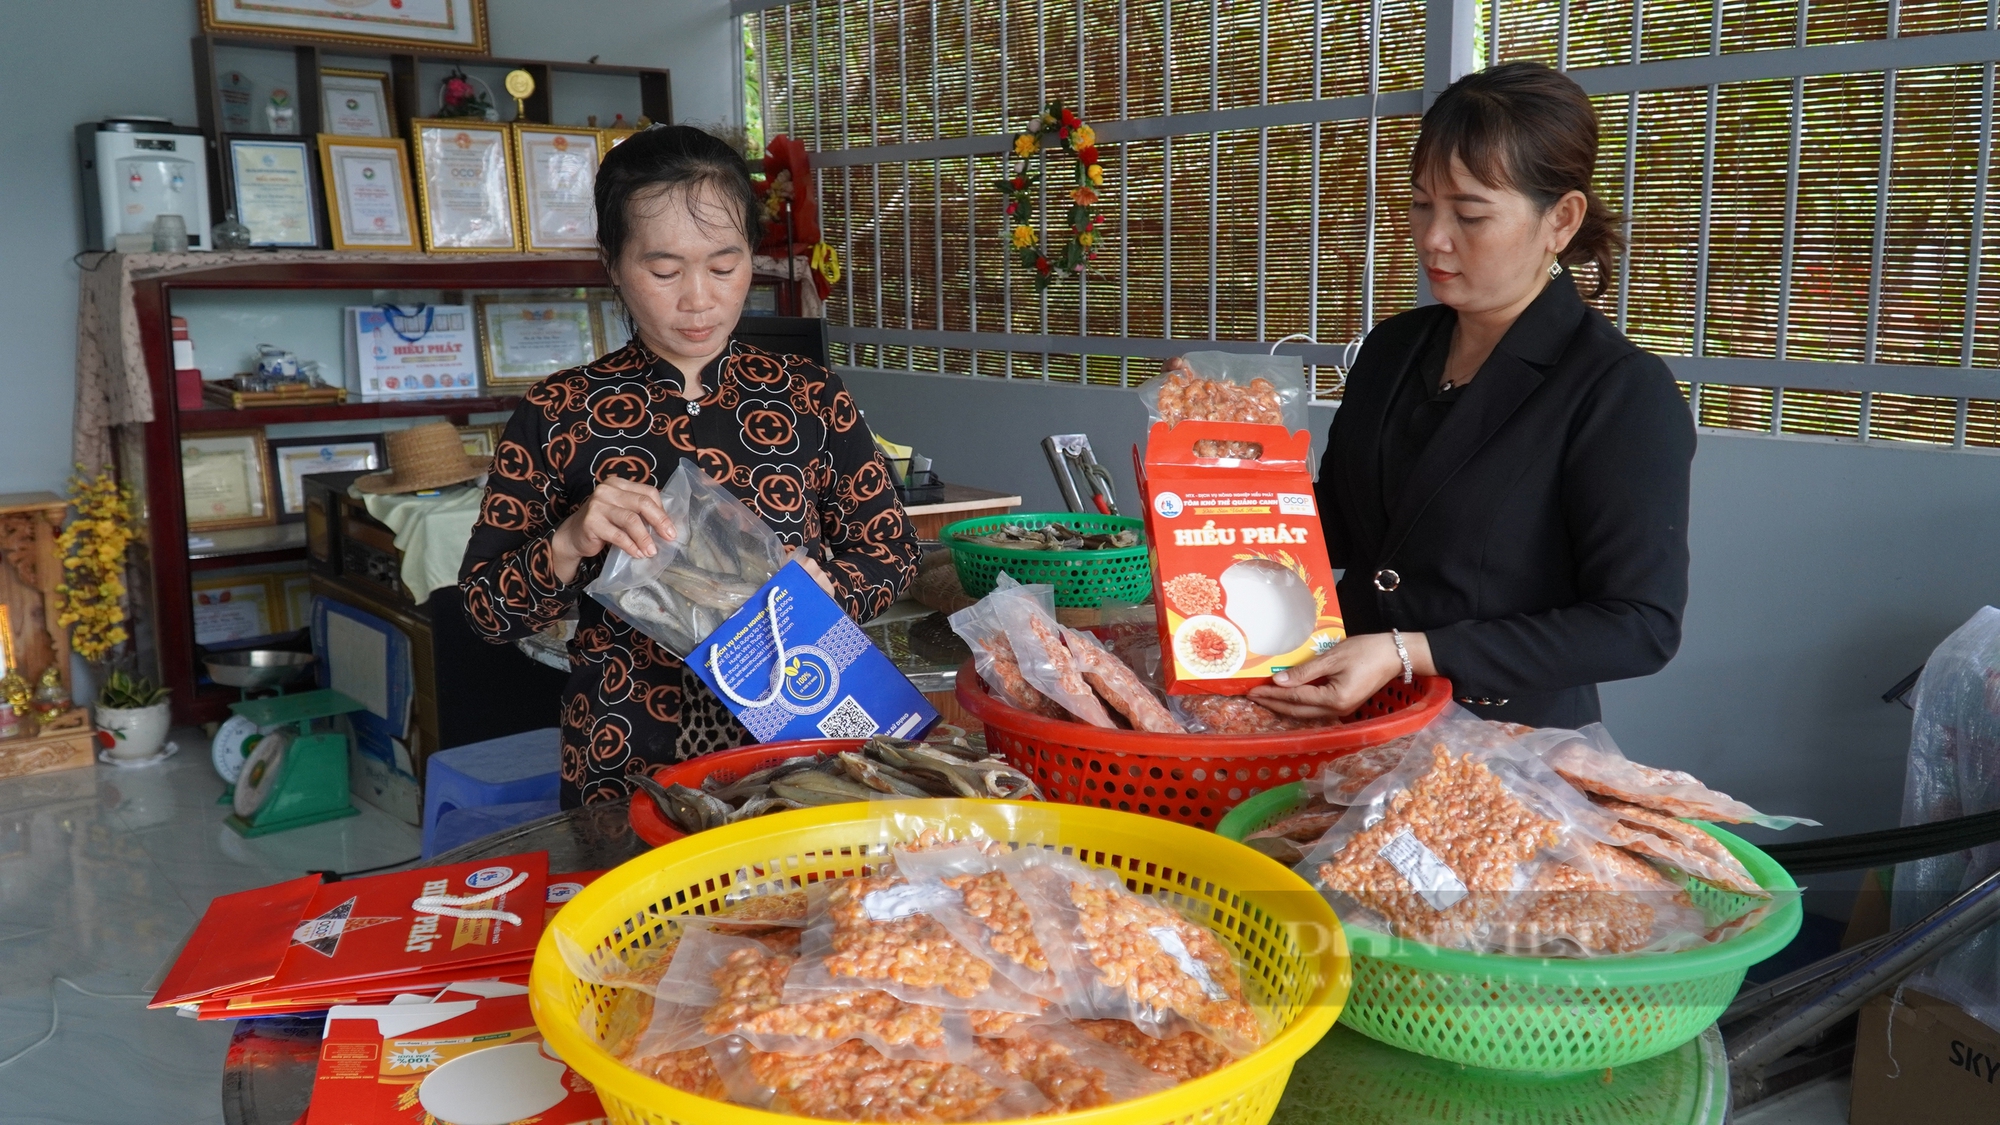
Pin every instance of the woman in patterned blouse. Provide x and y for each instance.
(582, 461)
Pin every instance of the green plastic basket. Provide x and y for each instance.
(1082, 578)
(1546, 1014)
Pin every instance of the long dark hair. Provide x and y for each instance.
(1523, 126)
(663, 160)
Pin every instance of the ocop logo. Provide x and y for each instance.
(488, 877)
(1167, 504)
(811, 681)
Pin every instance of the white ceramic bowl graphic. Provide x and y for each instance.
(494, 1086)
(1271, 604)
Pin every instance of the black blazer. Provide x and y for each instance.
(1541, 541)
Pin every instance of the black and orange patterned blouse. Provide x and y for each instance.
(780, 432)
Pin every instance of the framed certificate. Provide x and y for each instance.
(272, 187)
(223, 481)
(524, 341)
(436, 25)
(612, 139)
(234, 608)
(356, 103)
(295, 597)
(614, 329)
(480, 441)
(465, 186)
(368, 196)
(294, 459)
(558, 178)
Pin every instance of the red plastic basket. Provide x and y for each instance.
(1191, 778)
(726, 765)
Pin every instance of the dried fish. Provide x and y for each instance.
(1052, 537)
(948, 763)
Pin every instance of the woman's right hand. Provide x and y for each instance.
(619, 513)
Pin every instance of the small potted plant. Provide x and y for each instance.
(132, 716)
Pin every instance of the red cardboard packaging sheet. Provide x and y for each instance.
(1240, 570)
(278, 947)
(471, 1056)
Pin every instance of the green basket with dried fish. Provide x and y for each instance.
(1086, 557)
(718, 789)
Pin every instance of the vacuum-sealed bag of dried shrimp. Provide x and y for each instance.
(1180, 1058)
(720, 555)
(980, 627)
(1072, 1069)
(1036, 640)
(880, 931)
(1591, 761)
(1235, 714)
(1263, 390)
(984, 912)
(1132, 957)
(856, 1082)
(1598, 900)
(1436, 848)
(719, 985)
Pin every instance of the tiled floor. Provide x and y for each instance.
(102, 873)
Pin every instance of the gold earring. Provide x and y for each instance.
(1555, 270)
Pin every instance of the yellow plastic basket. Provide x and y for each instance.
(1291, 945)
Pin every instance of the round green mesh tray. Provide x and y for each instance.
(1547, 1014)
(1349, 1079)
(1082, 578)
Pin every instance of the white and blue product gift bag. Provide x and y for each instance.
(834, 682)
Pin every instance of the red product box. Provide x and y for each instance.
(187, 389)
(1241, 577)
(473, 1055)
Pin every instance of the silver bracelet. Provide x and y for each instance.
(1403, 654)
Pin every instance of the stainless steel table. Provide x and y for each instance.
(267, 1077)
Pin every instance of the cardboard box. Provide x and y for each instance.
(835, 683)
(1240, 569)
(1939, 1064)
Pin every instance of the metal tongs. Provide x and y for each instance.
(1079, 475)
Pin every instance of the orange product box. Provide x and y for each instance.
(1241, 578)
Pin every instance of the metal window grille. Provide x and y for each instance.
(1805, 182)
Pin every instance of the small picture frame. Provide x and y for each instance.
(234, 607)
(295, 599)
(356, 103)
(294, 459)
(480, 441)
(523, 340)
(224, 482)
(557, 180)
(465, 186)
(614, 327)
(368, 198)
(274, 190)
(612, 139)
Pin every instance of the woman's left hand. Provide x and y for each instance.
(812, 567)
(1337, 682)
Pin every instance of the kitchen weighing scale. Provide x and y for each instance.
(287, 774)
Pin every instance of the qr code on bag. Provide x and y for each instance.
(848, 720)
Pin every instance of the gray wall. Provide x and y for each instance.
(1823, 572)
(81, 60)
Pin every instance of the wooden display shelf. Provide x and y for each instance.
(457, 409)
(169, 560)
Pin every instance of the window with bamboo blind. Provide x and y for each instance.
(1790, 208)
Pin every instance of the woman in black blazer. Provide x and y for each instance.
(1506, 482)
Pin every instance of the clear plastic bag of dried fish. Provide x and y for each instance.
(720, 555)
(1053, 537)
(948, 763)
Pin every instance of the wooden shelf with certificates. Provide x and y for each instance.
(151, 455)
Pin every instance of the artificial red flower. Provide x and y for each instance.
(1062, 134)
(1010, 208)
(1070, 119)
(1042, 265)
(1020, 184)
(1087, 156)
